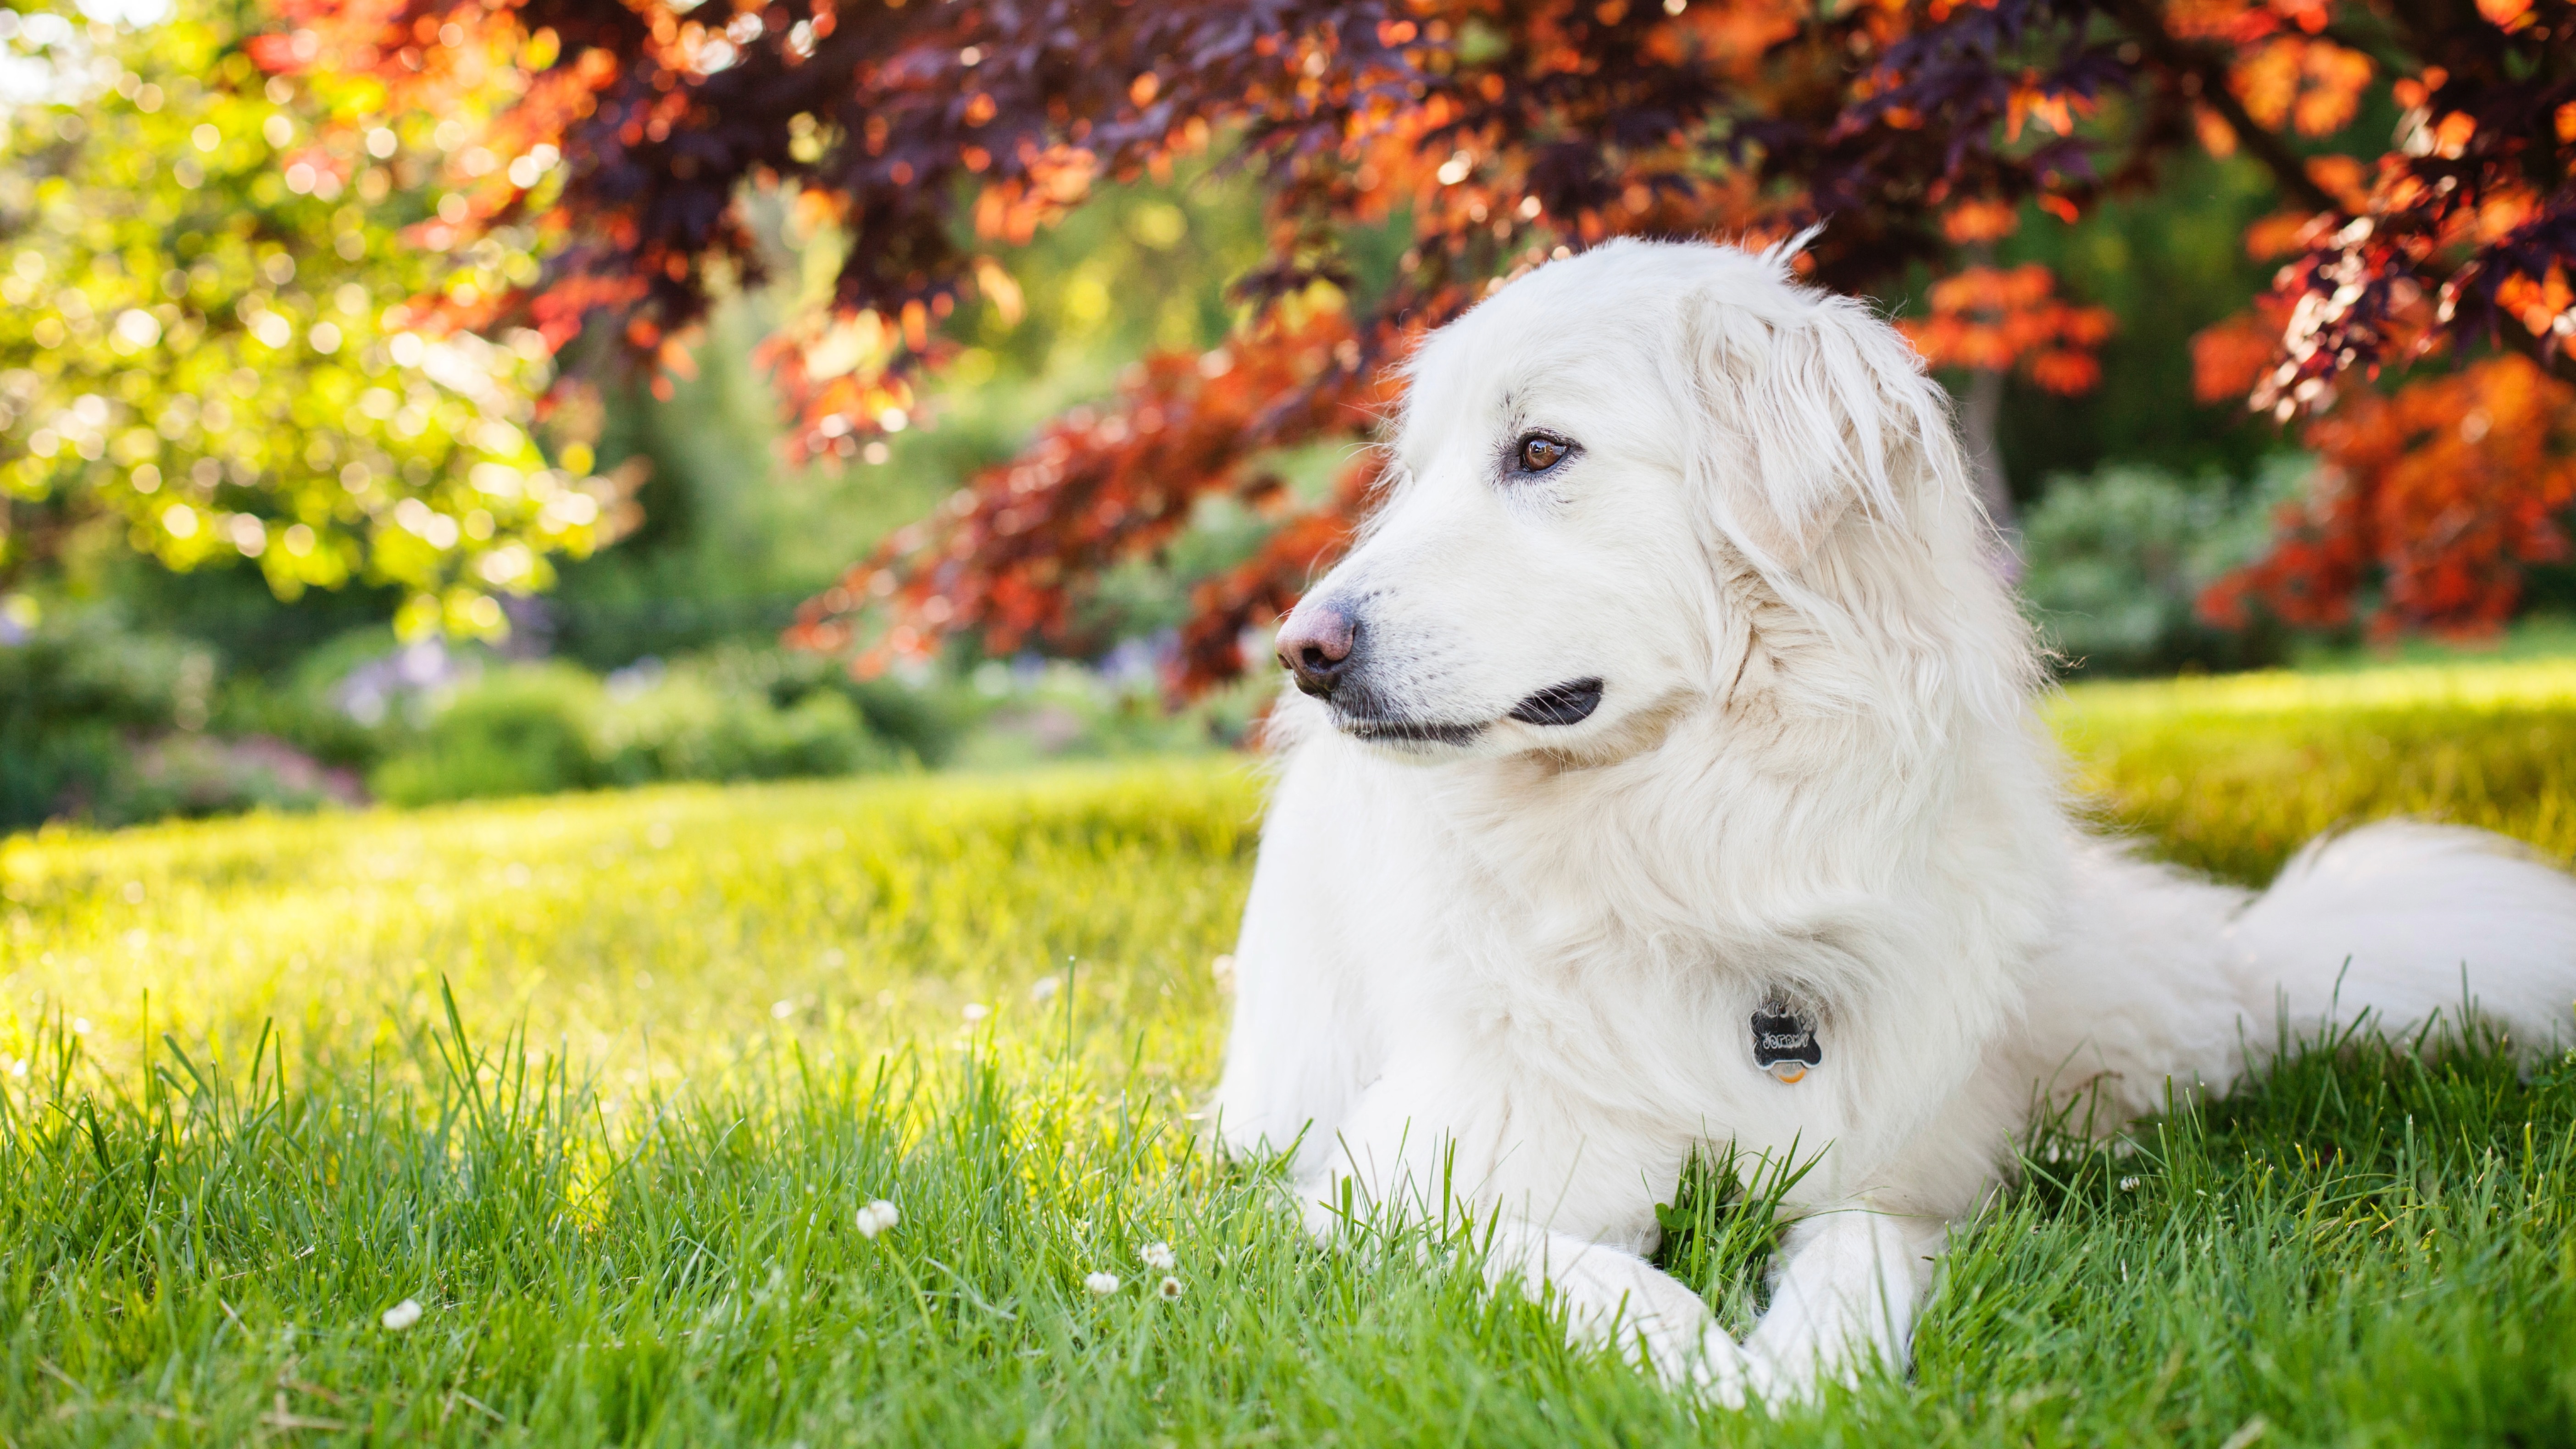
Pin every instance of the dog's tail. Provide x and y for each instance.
(2418, 925)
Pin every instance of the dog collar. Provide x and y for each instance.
(1784, 1041)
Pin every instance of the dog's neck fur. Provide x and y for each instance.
(1844, 800)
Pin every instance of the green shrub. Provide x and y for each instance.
(684, 727)
(72, 691)
(2115, 561)
(925, 719)
(306, 704)
(1060, 710)
(527, 729)
(199, 775)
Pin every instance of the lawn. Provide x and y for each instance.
(602, 1084)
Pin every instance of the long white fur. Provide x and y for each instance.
(1521, 969)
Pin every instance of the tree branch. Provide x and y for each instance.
(2542, 349)
(2288, 168)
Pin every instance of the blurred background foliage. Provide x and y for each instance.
(208, 357)
(268, 548)
(2168, 265)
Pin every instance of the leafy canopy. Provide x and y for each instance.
(934, 136)
(223, 330)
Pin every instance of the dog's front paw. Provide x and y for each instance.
(1723, 1374)
(1315, 1202)
(1705, 1362)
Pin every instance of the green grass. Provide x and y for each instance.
(2231, 774)
(692, 1031)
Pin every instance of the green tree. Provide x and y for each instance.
(218, 339)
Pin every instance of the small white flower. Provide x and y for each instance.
(1046, 988)
(403, 1315)
(977, 1011)
(876, 1217)
(2128, 1184)
(1157, 1256)
(1170, 1289)
(1103, 1284)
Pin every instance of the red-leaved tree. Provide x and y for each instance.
(1509, 130)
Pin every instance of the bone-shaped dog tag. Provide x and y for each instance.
(1784, 1042)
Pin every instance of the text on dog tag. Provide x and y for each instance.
(1784, 1042)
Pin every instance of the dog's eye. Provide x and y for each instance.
(1539, 452)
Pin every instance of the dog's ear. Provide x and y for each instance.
(1811, 407)
(1815, 414)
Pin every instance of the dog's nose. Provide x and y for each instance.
(1315, 646)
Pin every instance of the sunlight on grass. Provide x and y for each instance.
(2232, 774)
(657, 933)
(2540, 683)
(694, 1031)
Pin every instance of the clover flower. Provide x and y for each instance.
(1157, 1256)
(1169, 1289)
(402, 1315)
(1103, 1284)
(876, 1217)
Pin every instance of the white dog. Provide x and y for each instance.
(1665, 774)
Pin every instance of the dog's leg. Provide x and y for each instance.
(1612, 1297)
(1616, 1298)
(1849, 1280)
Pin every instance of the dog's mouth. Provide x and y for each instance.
(1560, 704)
(1407, 731)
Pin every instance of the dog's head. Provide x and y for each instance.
(1607, 473)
